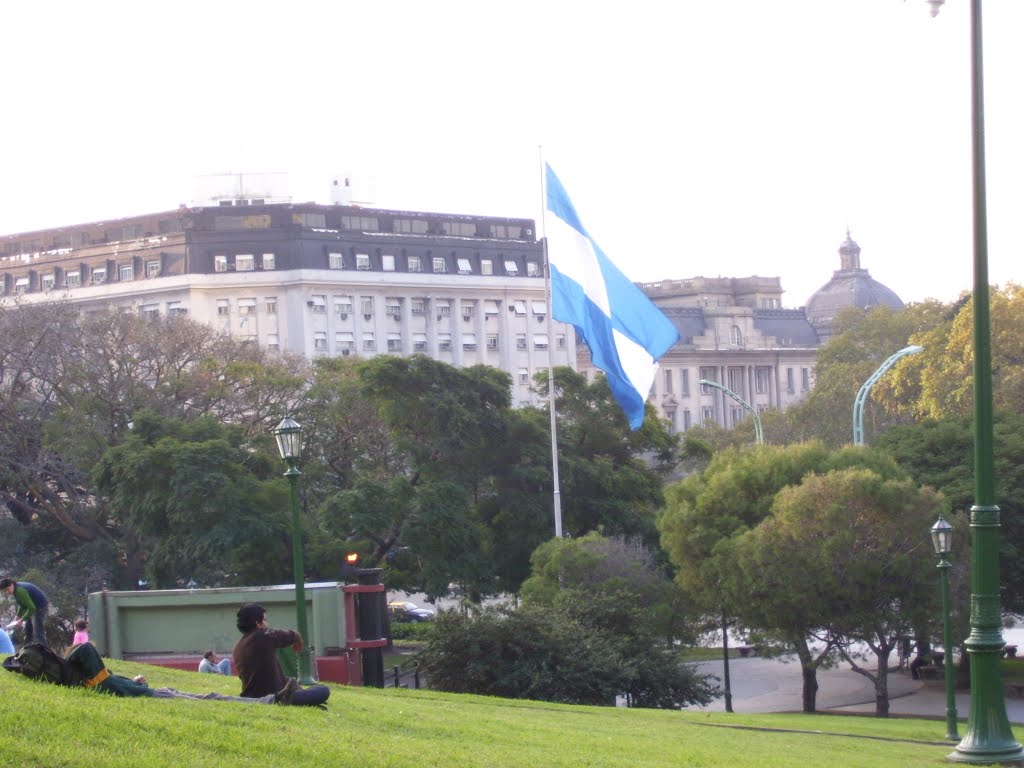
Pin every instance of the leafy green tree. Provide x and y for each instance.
(196, 509)
(844, 557)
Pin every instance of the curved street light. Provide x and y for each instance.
(865, 390)
(758, 433)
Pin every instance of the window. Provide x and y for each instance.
(492, 341)
(223, 307)
(362, 261)
(174, 309)
(524, 376)
(387, 263)
(540, 341)
(520, 341)
(770, 303)
(686, 419)
(150, 311)
(670, 417)
(459, 228)
(394, 342)
(684, 387)
(735, 415)
(560, 341)
(762, 376)
(345, 342)
(365, 223)
(220, 264)
(464, 267)
(21, 285)
(153, 269)
(335, 261)
(469, 341)
(540, 309)
(343, 306)
(320, 341)
(519, 307)
(443, 307)
(789, 380)
(707, 374)
(486, 267)
(419, 342)
(246, 306)
(668, 379)
(272, 341)
(393, 307)
(805, 379)
(369, 343)
(269, 262)
(467, 310)
(72, 279)
(444, 342)
(271, 305)
(414, 264)
(318, 304)
(366, 305)
(707, 415)
(418, 306)
(511, 268)
(409, 226)
(490, 308)
(737, 381)
(127, 272)
(735, 337)
(439, 265)
(532, 269)
(244, 262)
(46, 283)
(99, 276)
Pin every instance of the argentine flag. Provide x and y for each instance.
(626, 333)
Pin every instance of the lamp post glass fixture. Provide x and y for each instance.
(942, 540)
(289, 443)
(989, 738)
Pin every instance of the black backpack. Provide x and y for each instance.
(37, 662)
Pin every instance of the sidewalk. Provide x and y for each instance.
(774, 685)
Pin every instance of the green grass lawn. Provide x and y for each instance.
(45, 726)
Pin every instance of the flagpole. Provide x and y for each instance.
(557, 496)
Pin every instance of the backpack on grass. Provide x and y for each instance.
(37, 662)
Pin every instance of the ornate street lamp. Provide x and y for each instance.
(989, 738)
(942, 540)
(289, 443)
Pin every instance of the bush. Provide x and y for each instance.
(419, 630)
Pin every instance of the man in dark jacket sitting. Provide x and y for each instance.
(255, 659)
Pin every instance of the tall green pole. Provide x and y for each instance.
(947, 644)
(989, 738)
(305, 676)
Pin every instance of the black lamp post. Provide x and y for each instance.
(289, 443)
(942, 540)
(989, 738)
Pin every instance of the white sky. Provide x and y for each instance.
(696, 137)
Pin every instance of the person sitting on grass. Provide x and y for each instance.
(214, 665)
(255, 656)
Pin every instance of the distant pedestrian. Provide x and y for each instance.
(215, 665)
(32, 608)
(81, 632)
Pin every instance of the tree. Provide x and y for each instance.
(706, 514)
(846, 557)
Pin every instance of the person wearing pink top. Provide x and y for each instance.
(81, 632)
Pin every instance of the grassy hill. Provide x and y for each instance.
(46, 726)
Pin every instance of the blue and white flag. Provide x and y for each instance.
(626, 333)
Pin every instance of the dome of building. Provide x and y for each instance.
(850, 286)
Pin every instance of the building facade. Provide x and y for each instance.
(733, 331)
(312, 279)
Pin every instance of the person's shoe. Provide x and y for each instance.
(284, 696)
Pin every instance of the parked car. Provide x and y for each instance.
(402, 610)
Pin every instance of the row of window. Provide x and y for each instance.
(438, 264)
(343, 306)
(737, 380)
(345, 342)
(244, 262)
(94, 276)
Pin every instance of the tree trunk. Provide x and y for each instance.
(809, 672)
(882, 687)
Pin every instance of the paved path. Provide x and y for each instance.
(770, 685)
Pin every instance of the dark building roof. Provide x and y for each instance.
(850, 286)
(790, 327)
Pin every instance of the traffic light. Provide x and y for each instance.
(352, 559)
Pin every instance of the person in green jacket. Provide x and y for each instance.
(32, 608)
